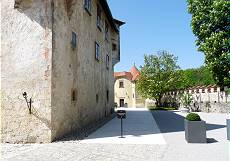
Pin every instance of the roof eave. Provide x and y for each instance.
(108, 13)
(120, 23)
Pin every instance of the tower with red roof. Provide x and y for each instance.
(125, 88)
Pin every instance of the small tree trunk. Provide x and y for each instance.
(158, 102)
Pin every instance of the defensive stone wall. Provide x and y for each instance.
(206, 98)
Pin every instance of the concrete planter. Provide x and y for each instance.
(195, 131)
(228, 129)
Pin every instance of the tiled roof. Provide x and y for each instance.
(133, 75)
(202, 87)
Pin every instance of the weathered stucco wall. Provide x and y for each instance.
(68, 86)
(0, 69)
(125, 93)
(26, 67)
(77, 71)
(129, 93)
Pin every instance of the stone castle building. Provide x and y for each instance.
(62, 54)
(126, 94)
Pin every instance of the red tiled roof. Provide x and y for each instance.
(127, 75)
(132, 75)
(135, 73)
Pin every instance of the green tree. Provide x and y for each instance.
(197, 77)
(159, 74)
(211, 24)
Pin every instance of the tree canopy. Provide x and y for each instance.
(197, 77)
(211, 24)
(159, 74)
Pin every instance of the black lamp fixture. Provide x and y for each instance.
(29, 103)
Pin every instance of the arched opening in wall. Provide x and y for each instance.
(105, 113)
(122, 102)
(107, 95)
(97, 98)
(192, 91)
(73, 95)
(203, 90)
(114, 47)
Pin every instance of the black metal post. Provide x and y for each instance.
(121, 129)
(30, 106)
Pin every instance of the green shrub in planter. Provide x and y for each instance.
(193, 117)
(195, 129)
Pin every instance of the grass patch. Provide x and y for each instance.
(153, 108)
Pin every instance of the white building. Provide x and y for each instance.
(125, 88)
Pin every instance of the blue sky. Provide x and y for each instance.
(153, 25)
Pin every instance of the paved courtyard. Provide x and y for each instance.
(147, 138)
(138, 128)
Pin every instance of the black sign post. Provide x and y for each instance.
(121, 114)
(121, 129)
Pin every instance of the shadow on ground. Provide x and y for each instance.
(169, 121)
(138, 123)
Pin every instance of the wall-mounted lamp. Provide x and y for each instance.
(29, 103)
